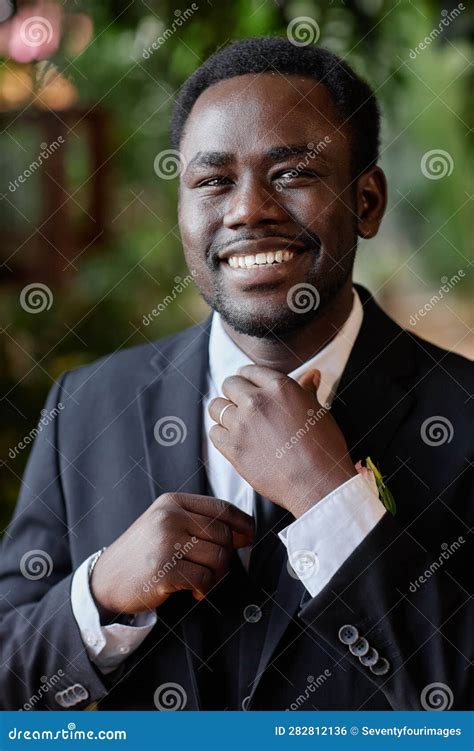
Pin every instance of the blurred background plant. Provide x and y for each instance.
(88, 216)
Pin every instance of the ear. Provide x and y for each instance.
(371, 201)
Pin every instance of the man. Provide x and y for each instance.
(193, 532)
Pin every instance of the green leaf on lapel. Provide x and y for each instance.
(384, 493)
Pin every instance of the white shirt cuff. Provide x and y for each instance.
(322, 538)
(106, 646)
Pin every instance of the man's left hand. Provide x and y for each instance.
(279, 438)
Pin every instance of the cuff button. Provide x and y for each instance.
(360, 648)
(381, 667)
(370, 658)
(348, 634)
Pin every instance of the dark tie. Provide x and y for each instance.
(268, 551)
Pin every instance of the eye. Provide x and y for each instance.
(290, 175)
(213, 182)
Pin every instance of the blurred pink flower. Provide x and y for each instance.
(34, 33)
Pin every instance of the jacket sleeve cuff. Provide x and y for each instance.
(107, 646)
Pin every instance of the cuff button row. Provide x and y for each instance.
(360, 647)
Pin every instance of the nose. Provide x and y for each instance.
(251, 204)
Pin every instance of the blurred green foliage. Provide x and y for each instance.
(427, 104)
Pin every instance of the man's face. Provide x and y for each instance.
(267, 170)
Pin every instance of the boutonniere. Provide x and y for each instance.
(385, 494)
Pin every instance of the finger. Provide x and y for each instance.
(214, 557)
(216, 508)
(235, 387)
(220, 438)
(213, 530)
(192, 576)
(209, 530)
(260, 375)
(215, 410)
(310, 380)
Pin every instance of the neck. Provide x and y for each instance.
(287, 354)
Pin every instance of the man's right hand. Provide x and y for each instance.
(182, 541)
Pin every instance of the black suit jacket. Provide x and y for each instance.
(97, 466)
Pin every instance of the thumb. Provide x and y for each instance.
(310, 380)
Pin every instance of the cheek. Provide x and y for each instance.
(196, 236)
(327, 215)
(197, 221)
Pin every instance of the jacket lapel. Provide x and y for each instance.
(369, 405)
(172, 426)
(171, 414)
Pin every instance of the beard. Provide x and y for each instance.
(305, 303)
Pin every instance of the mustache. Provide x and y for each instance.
(309, 241)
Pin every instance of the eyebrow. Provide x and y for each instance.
(278, 153)
(224, 158)
(211, 159)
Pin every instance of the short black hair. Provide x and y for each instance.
(353, 97)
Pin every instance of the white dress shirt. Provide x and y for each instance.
(318, 542)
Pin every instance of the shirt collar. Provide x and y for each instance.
(225, 357)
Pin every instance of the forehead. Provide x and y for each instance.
(250, 112)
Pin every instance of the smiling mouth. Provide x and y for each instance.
(263, 259)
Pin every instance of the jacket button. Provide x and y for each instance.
(348, 634)
(381, 667)
(370, 658)
(252, 613)
(360, 648)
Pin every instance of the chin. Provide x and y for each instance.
(265, 325)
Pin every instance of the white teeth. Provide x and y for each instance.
(261, 259)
